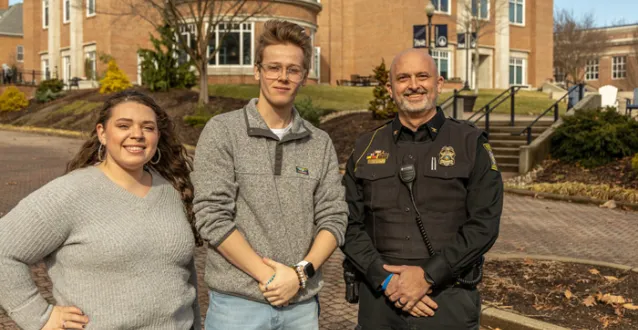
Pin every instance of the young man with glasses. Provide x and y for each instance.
(268, 197)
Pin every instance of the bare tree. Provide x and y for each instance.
(576, 41)
(196, 22)
(475, 19)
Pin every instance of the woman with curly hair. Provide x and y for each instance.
(116, 231)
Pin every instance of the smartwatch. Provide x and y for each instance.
(305, 270)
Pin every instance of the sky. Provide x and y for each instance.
(606, 12)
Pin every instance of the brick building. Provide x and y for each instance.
(618, 65)
(11, 38)
(350, 37)
(516, 45)
(69, 35)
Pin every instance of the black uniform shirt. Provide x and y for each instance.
(474, 238)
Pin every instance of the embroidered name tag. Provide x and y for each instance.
(302, 170)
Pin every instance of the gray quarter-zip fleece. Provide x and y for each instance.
(278, 193)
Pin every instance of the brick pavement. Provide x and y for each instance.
(529, 225)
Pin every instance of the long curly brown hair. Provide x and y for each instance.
(174, 165)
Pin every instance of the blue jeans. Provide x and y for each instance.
(226, 312)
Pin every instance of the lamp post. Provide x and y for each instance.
(429, 10)
(468, 36)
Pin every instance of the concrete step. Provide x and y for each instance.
(505, 151)
(507, 167)
(506, 159)
(515, 129)
(507, 143)
(522, 124)
(509, 136)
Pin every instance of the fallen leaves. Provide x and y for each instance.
(568, 294)
(630, 307)
(610, 204)
(610, 299)
(611, 278)
(594, 271)
(589, 301)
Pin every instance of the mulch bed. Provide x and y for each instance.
(571, 295)
(345, 130)
(618, 173)
(178, 104)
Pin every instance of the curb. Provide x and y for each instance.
(567, 198)
(495, 317)
(59, 132)
(340, 114)
(498, 318)
(510, 256)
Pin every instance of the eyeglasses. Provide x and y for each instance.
(294, 73)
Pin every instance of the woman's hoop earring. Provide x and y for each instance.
(99, 153)
(159, 156)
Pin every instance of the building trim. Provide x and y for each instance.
(311, 4)
(12, 35)
(89, 43)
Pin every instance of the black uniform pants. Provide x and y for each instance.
(459, 309)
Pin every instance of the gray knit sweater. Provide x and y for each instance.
(278, 193)
(125, 261)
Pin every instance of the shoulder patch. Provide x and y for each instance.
(488, 148)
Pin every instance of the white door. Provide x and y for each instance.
(67, 68)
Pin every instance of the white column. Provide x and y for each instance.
(78, 12)
(502, 43)
(55, 22)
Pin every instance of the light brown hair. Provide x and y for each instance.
(278, 32)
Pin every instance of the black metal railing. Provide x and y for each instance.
(23, 77)
(487, 109)
(580, 88)
(454, 104)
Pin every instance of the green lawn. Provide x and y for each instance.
(526, 102)
(335, 98)
(338, 98)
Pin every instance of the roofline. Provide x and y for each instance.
(613, 27)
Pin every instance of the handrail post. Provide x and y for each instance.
(555, 111)
(487, 123)
(512, 102)
(454, 106)
(529, 135)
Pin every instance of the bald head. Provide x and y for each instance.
(414, 81)
(412, 55)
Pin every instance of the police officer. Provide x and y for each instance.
(425, 199)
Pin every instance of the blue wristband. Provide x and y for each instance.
(386, 282)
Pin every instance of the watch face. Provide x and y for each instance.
(310, 270)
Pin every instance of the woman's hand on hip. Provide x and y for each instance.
(66, 317)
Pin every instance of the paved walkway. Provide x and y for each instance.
(529, 225)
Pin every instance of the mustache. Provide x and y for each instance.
(419, 90)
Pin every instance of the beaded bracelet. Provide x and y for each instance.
(270, 280)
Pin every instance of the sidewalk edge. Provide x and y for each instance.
(568, 198)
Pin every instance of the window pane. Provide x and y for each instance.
(519, 75)
(519, 13)
(512, 13)
(443, 69)
(229, 49)
(484, 8)
(474, 7)
(247, 51)
(511, 75)
(444, 5)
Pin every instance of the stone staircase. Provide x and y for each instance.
(505, 145)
